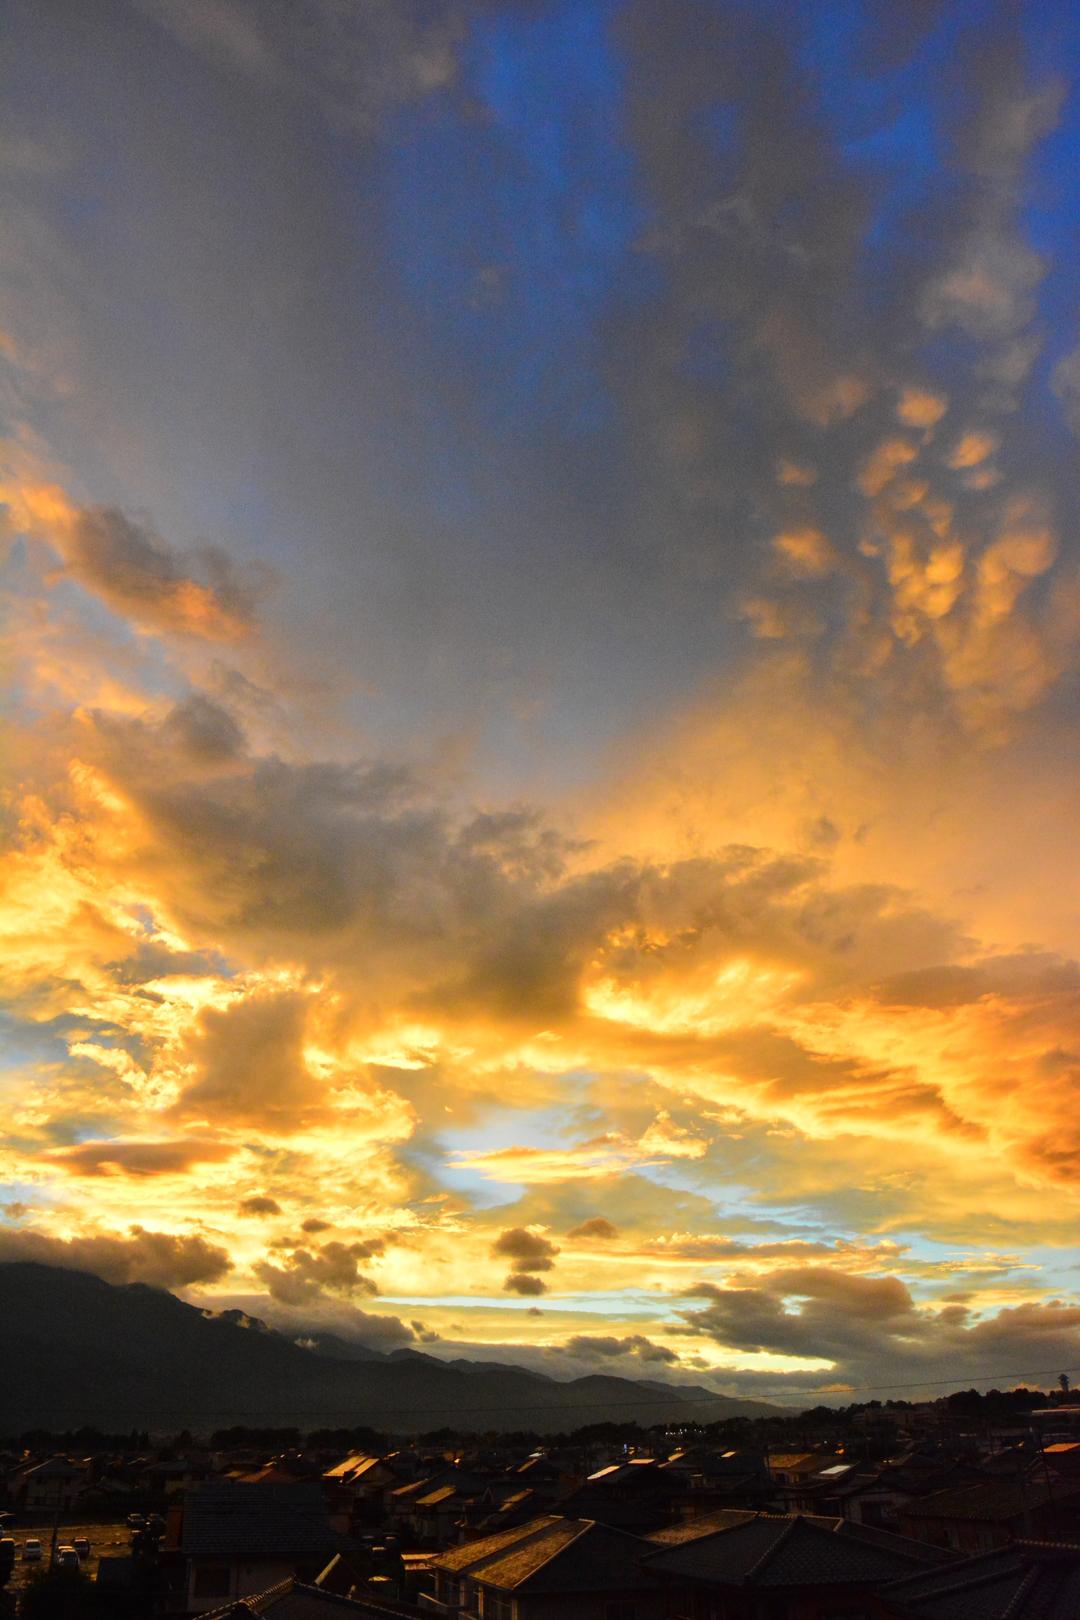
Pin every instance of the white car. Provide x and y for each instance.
(31, 1550)
(67, 1558)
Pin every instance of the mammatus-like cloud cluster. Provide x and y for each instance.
(755, 1055)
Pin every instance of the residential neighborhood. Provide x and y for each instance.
(885, 1514)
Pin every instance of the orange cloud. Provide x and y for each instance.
(135, 572)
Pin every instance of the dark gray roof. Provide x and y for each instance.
(256, 1520)
(576, 1555)
(292, 1600)
(551, 1555)
(1028, 1581)
(674, 1535)
(459, 1559)
(772, 1550)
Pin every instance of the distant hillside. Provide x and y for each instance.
(76, 1350)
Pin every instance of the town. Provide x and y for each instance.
(967, 1506)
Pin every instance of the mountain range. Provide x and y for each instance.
(75, 1350)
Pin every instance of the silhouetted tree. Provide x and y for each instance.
(63, 1594)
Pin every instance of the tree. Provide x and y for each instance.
(62, 1594)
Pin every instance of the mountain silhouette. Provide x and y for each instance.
(76, 1350)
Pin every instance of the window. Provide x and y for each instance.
(211, 1581)
(498, 1605)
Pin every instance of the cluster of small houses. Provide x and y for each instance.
(694, 1533)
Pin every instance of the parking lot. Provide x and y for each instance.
(104, 1539)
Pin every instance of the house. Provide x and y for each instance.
(296, 1600)
(53, 1484)
(710, 1479)
(635, 1496)
(377, 1572)
(547, 1570)
(366, 1478)
(787, 1468)
(784, 1567)
(435, 1515)
(401, 1503)
(977, 1518)
(1063, 1458)
(173, 1478)
(546, 1479)
(1027, 1581)
(1056, 1423)
(675, 1535)
(235, 1540)
(487, 1517)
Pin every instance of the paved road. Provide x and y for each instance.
(103, 1538)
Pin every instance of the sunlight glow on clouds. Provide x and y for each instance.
(624, 860)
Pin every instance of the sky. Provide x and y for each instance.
(540, 772)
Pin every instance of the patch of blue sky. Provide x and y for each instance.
(78, 605)
(500, 1129)
(1050, 215)
(1059, 1267)
(905, 155)
(620, 1303)
(96, 1127)
(858, 95)
(512, 226)
(23, 1043)
(482, 1191)
(919, 1250)
(22, 1192)
(886, 123)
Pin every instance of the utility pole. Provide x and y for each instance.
(55, 1533)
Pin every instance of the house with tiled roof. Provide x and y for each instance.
(783, 1567)
(297, 1600)
(55, 1483)
(995, 1513)
(238, 1539)
(1027, 1581)
(635, 1496)
(550, 1569)
(366, 1480)
(790, 1467)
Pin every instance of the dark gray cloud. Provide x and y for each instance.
(138, 1158)
(530, 1251)
(260, 1205)
(250, 1063)
(522, 1282)
(162, 1259)
(876, 1334)
(139, 575)
(605, 1347)
(597, 1226)
(306, 1275)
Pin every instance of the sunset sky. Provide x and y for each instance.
(541, 782)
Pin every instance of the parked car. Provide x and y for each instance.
(31, 1550)
(81, 1545)
(67, 1557)
(7, 1556)
(136, 1521)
